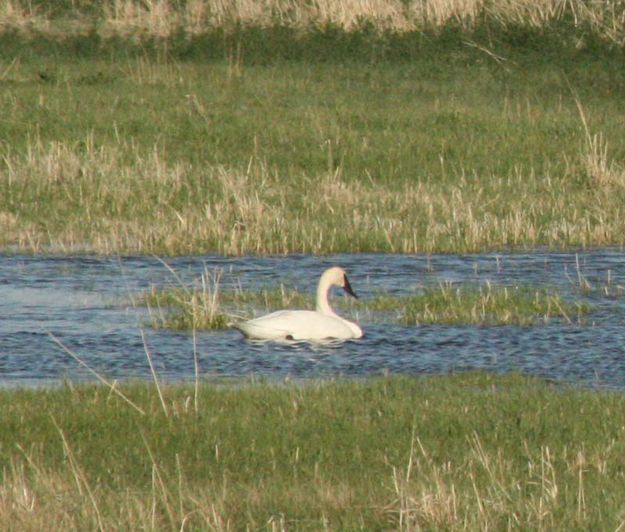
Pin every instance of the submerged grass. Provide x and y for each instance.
(471, 451)
(208, 307)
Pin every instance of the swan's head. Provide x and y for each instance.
(336, 276)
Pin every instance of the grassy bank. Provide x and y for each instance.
(460, 452)
(476, 129)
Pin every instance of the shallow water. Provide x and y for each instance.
(86, 303)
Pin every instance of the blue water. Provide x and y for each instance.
(86, 304)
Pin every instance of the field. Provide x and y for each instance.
(175, 127)
(454, 453)
(139, 128)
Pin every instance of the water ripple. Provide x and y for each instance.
(85, 302)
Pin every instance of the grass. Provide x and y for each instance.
(336, 168)
(208, 307)
(490, 305)
(447, 132)
(164, 19)
(194, 127)
(457, 452)
(188, 308)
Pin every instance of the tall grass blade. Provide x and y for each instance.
(111, 386)
(79, 475)
(153, 372)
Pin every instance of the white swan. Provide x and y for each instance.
(320, 324)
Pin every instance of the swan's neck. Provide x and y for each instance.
(323, 305)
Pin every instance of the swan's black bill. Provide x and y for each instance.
(348, 287)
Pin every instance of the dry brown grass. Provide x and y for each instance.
(600, 168)
(163, 18)
(431, 494)
(160, 17)
(33, 498)
(483, 491)
(14, 13)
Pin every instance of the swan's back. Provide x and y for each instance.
(299, 325)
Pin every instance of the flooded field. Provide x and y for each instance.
(86, 303)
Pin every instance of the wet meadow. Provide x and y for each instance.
(287, 128)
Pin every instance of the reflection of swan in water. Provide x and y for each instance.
(320, 324)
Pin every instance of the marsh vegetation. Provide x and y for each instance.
(204, 305)
(279, 127)
(282, 126)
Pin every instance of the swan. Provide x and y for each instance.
(320, 324)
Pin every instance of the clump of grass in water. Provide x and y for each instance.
(183, 308)
(209, 308)
(488, 305)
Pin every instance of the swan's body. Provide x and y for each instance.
(320, 324)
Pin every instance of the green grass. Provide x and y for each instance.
(472, 451)
(317, 140)
(188, 309)
(209, 307)
(490, 305)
